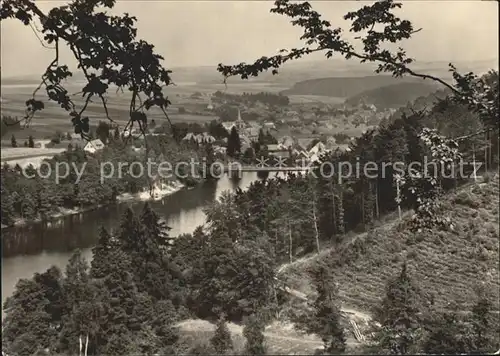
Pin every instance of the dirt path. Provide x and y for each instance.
(280, 337)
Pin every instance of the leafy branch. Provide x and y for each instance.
(376, 26)
(107, 52)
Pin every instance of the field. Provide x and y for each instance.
(23, 152)
(280, 339)
(448, 264)
(53, 118)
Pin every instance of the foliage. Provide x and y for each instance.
(30, 197)
(108, 54)
(325, 318)
(103, 306)
(233, 143)
(252, 98)
(400, 330)
(221, 341)
(254, 334)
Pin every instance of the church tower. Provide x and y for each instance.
(240, 124)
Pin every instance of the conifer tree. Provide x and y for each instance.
(254, 335)
(233, 143)
(221, 340)
(156, 230)
(447, 335)
(483, 340)
(325, 320)
(399, 316)
(100, 265)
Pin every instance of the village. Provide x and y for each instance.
(266, 124)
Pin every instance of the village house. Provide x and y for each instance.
(202, 138)
(42, 143)
(210, 105)
(252, 133)
(269, 126)
(277, 150)
(94, 146)
(287, 142)
(303, 143)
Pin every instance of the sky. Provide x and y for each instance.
(198, 33)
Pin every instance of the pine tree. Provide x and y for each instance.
(157, 230)
(254, 335)
(325, 320)
(399, 316)
(221, 340)
(131, 233)
(31, 142)
(447, 335)
(482, 325)
(101, 252)
(13, 141)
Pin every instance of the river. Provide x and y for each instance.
(34, 248)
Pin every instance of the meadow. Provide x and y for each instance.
(53, 118)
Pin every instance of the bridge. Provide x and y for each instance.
(253, 168)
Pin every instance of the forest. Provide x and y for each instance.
(252, 98)
(38, 198)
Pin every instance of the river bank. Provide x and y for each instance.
(157, 194)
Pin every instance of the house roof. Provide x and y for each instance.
(228, 125)
(304, 142)
(318, 148)
(253, 131)
(96, 144)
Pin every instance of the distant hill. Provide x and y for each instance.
(394, 95)
(345, 87)
(298, 71)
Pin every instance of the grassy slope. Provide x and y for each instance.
(448, 264)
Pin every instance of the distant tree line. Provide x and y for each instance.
(250, 98)
(32, 198)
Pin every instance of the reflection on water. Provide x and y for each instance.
(34, 248)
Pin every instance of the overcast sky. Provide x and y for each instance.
(191, 33)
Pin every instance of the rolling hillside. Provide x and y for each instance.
(293, 72)
(448, 264)
(345, 87)
(393, 96)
